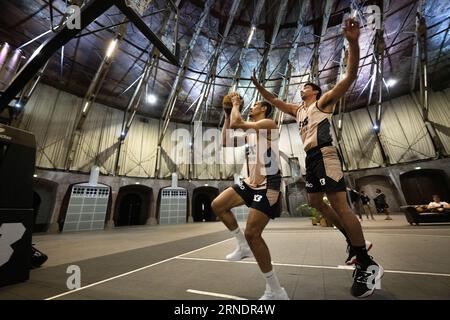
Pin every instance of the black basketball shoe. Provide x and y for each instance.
(366, 278)
(38, 258)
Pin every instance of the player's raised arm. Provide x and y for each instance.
(289, 108)
(329, 99)
(260, 122)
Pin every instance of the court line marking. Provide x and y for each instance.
(133, 271)
(339, 267)
(254, 262)
(364, 231)
(215, 294)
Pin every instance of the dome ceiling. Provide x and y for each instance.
(29, 19)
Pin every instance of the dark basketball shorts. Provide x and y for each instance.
(257, 199)
(324, 170)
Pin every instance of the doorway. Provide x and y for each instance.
(133, 205)
(201, 204)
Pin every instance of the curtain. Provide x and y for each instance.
(403, 132)
(439, 116)
(138, 153)
(50, 115)
(210, 153)
(360, 146)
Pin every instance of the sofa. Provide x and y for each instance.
(416, 214)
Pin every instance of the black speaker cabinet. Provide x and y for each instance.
(15, 241)
(17, 164)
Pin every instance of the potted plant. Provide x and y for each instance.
(316, 217)
(307, 211)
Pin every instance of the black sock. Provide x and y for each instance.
(361, 255)
(346, 236)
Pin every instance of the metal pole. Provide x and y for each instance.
(170, 104)
(415, 61)
(379, 47)
(133, 104)
(92, 93)
(423, 80)
(284, 91)
(132, 108)
(314, 74)
(89, 13)
(181, 72)
(267, 50)
(211, 75)
(27, 92)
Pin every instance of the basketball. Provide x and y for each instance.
(228, 104)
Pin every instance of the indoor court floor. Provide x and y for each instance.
(187, 262)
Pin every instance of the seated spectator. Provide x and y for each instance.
(437, 204)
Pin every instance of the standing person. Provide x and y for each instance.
(323, 165)
(354, 197)
(381, 204)
(260, 191)
(365, 201)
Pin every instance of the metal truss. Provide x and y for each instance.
(298, 35)
(89, 12)
(176, 87)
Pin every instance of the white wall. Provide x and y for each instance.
(51, 115)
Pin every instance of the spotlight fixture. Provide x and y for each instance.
(85, 107)
(151, 98)
(391, 82)
(111, 48)
(250, 37)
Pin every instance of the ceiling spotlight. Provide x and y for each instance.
(151, 98)
(35, 175)
(122, 133)
(138, 183)
(417, 168)
(85, 107)
(250, 36)
(111, 48)
(375, 127)
(391, 82)
(18, 105)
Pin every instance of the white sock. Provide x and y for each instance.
(272, 281)
(240, 238)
